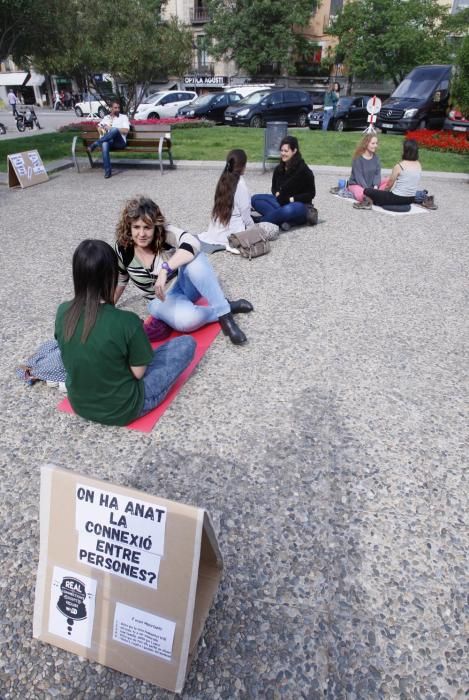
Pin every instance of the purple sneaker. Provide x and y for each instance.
(156, 330)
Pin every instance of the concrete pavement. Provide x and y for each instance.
(49, 120)
(330, 451)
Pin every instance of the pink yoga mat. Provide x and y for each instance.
(204, 337)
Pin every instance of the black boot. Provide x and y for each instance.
(229, 327)
(241, 306)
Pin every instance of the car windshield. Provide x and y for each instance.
(417, 85)
(345, 102)
(156, 97)
(254, 98)
(202, 101)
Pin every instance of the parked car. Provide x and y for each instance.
(317, 98)
(456, 122)
(210, 107)
(163, 105)
(351, 113)
(231, 113)
(420, 101)
(246, 90)
(285, 105)
(92, 108)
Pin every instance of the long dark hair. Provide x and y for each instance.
(410, 150)
(95, 274)
(144, 208)
(291, 141)
(226, 186)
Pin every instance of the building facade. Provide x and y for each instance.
(207, 73)
(29, 87)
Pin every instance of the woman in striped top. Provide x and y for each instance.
(166, 264)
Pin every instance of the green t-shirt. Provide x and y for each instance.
(100, 384)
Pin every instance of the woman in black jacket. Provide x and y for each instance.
(293, 190)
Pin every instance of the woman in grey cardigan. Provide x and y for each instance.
(366, 168)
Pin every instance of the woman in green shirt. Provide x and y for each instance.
(113, 375)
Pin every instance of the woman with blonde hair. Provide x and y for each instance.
(166, 265)
(402, 185)
(366, 167)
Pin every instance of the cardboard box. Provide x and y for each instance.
(26, 169)
(124, 578)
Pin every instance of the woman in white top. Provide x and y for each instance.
(402, 184)
(231, 211)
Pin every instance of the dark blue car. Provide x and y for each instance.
(351, 113)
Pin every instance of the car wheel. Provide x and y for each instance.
(78, 112)
(339, 125)
(153, 115)
(384, 131)
(256, 122)
(302, 119)
(20, 125)
(422, 124)
(102, 111)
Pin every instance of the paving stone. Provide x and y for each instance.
(330, 450)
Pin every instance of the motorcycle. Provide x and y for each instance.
(27, 119)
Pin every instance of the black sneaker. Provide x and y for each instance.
(311, 215)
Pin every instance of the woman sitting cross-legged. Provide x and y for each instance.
(113, 375)
(293, 190)
(231, 211)
(164, 262)
(401, 185)
(366, 168)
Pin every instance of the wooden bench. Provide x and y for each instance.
(144, 138)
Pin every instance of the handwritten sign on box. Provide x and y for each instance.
(26, 169)
(125, 578)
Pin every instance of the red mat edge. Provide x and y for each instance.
(204, 338)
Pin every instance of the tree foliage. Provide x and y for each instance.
(22, 25)
(126, 39)
(458, 27)
(257, 32)
(460, 85)
(382, 39)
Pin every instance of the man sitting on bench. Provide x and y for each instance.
(116, 127)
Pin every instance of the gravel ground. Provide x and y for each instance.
(330, 450)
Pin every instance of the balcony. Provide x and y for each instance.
(203, 68)
(199, 15)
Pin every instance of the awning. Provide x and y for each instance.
(35, 79)
(17, 79)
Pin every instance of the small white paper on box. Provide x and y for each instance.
(143, 631)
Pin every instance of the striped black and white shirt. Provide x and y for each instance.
(131, 268)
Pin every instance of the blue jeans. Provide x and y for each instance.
(327, 116)
(114, 140)
(169, 361)
(195, 280)
(270, 210)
